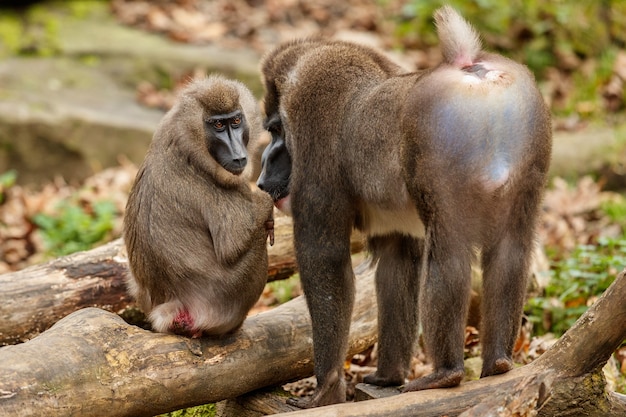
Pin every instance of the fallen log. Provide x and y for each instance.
(92, 363)
(567, 380)
(124, 370)
(33, 299)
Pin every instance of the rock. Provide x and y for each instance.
(61, 118)
(75, 113)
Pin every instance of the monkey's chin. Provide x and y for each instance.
(284, 205)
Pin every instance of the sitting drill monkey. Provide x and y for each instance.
(194, 230)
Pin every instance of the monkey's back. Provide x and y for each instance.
(333, 113)
(382, 127)
(340, 85)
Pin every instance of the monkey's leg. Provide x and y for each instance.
(397, 290)
(322, 244)
(444, 300)
(505, 265)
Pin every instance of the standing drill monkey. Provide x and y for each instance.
(430, 166)
(194, 230)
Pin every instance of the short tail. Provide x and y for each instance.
(460, 43)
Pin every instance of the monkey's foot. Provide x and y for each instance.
(383, 381)
(333, 393)
(183, 324)
(301, 402)
(446, 378)
(500, 366)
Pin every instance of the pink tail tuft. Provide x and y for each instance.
(460, 44)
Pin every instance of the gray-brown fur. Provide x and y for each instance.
(431, 166)
(195, 232)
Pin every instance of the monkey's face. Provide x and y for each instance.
(276, 166)
(227, 136)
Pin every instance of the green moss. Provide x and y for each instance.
(35, 32)
(81, 9)
(11, 31)
(207, 410)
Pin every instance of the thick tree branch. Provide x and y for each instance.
(92, 363)
(35, 298)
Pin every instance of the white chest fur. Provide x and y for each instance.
(381, 221)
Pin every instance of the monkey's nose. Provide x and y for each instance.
(240, 162)
(261, 182)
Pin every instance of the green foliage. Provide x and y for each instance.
(35, 31)
(10, 33)
(207, 410)
(575, 283)
(588, 81)
(537, 31)
(616, 210)
(541, 34)
(286, 289)
(7, 180)
(74, 227)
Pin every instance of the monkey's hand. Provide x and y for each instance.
(265, 208)
(269, 229)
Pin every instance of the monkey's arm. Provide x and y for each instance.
(241, 228)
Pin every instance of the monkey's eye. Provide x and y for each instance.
(236, 121)
(218, 124)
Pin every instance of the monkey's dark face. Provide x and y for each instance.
(227, 136)
(276, 166)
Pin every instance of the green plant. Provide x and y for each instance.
(75, 227)
(7, 180)
(286, 289)
(575, 283)
(615, 209)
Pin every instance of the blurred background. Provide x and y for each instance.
(83, 85)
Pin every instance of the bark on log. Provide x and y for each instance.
(567, 380)
(92, 363)
(35, 298)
